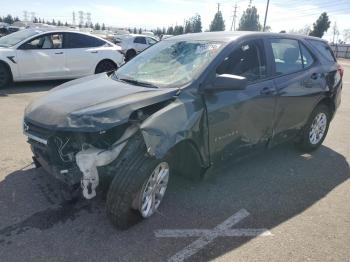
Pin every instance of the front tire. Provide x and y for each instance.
(5, 76)
(137, 188)
(316, 129)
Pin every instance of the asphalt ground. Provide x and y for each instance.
(300, 201)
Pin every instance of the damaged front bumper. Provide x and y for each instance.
(79, 165)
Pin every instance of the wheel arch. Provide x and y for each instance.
(328, 101)
(104, 60)
(8, 68)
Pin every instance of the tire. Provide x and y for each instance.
(130, 54)
(5, 76)
(311, 141)
(133, 172)
(105, 66)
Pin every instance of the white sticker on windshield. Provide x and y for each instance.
(203, 48)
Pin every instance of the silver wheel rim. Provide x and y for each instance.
(318, 128)
(154, 189)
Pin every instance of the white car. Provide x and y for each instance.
(45, 54)
(133, 44)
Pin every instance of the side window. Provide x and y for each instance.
(308, 59)
(140, 40)
(248, 60)
(287, 56)
(75, 40)
(151, 41)
(51, 41)
(324, 49)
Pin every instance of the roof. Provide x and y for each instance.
(228, 36)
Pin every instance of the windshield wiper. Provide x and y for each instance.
(137, 83)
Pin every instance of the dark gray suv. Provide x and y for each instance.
(183, 105)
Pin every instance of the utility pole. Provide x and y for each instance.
(25, 15)
(267, 9)
(74, 23)
(234, 18)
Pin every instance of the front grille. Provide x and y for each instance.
(37, 131)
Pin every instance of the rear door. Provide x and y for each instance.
(82, 54)
(42, 58)
(240, 120)
(299, 81)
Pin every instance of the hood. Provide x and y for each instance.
(92, 103)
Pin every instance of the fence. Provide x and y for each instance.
(341, 50)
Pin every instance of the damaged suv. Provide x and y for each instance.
(182, 105)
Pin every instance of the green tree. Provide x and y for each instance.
(59, 23)
(97, 26)
(140, 31)
(218, 23)
(250, 20)
(53, 22)
(178, 30)
(320, 26)
(135, 30)
(103, 27)
(170, 30)
(0, 19)
(8, 19)
(66, 24)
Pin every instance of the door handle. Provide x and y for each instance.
(58, 53)
(267, 91)
(94, 52)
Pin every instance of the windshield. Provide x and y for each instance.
(169, 63)
(14, 38)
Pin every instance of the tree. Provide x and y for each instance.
(135, 30)
(178, 30)
(66, 24)
(320, 26)
(303, 31)
(140, 31)
(53, 22)
(59, 23)
(218, 23)
(250, 20)
(8, 19)
(86, 25)
(103, 27)
(170, 30)
(35, 20)
(346, 35)
(97, 26)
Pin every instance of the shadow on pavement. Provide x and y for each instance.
(274, 187)
(30, 87)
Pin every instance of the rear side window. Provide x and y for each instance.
(140, 40)
(73, 40)
(247, 60)
(287, 56)
(324, 49)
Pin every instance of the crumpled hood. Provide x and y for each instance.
(92, 103)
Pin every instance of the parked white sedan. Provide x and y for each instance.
(44, 54)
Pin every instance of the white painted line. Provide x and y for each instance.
(206, 236)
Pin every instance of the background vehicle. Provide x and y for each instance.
(133, 44)
(44, 54)
(183, 105)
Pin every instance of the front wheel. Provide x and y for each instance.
(105, 66)
(5, 76)
(137, 189)
(316, 129)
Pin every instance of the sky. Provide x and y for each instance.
(283, 14)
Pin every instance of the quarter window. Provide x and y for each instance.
(324, 49)
(75, 40)
(287, 56)
(248, 60)
(51, 41)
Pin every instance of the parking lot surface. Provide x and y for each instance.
(299, 202)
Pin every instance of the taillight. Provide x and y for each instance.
(341, 71)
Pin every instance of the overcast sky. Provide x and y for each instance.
(283, 14)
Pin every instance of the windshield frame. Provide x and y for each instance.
(197, 76)
(28, 37)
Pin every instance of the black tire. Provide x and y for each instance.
(105, 66)
(133, 169)
(304, 142)
(130, 54)
(5, 76)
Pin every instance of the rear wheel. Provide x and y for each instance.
(105, 66)
(130, 54)
(316, 129)
(5, 76)
(138, 187)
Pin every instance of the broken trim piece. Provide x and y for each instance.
(90, 157)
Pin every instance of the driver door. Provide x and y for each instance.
(42, 58)
(240, 120)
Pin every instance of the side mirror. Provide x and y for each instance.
(228, 82)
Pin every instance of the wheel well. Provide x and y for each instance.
(131, 50)
(104, 60)
(186, 160)
(8, 68)
(329, 103)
